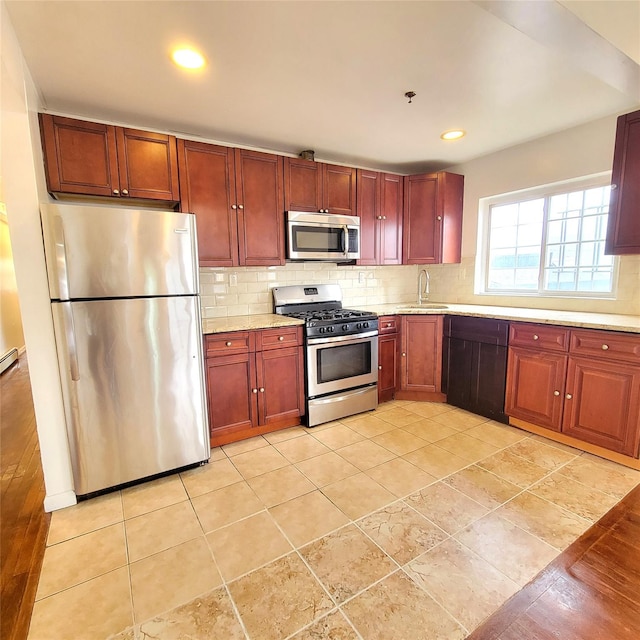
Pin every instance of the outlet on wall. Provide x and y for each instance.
(361, 277)
(233, 280)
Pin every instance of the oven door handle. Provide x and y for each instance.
(353, 338)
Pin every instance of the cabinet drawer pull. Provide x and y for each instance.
(389, 324)
(281, 338)
(536, 336)
(228, 344)
(261, 389)
(605, 347)
(556, 393)
(568, 396)
(254, 390)
(125, 192)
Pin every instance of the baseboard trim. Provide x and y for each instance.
(59, 501)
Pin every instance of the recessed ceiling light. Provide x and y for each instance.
(188, 58)
(454, 134)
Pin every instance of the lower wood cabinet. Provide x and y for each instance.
(387, 357)
(582, 383)
(421, 358)
(255, 382)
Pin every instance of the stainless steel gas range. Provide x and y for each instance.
(341, 351)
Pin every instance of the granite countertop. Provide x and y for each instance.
(245, 323)
(587, 320)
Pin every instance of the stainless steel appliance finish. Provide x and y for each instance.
(124, 289)
(321, 236)
(341, 351)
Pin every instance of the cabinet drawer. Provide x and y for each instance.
(606, 344)
(484, 330)
(546, 337)
(281, 337)
(387, 324)
(218, 344)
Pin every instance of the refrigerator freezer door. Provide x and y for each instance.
(133, 386)
(103, 252)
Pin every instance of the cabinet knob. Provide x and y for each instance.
(556, 393)
(116, 192)
(379, 367)
(254, 391)
(233, 206)
(605, 347)
(438, 217)
(125, 192)
(261, 389)
(240, 206)
(228, 344)
(568, 396)
(379, 217)
(614, 186)
(536, 336)
(389, 324)
(404, 355)
(384, 217)
(281, 338)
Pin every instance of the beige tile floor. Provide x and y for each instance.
(415, 521)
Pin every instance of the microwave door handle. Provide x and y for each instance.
(345, 240)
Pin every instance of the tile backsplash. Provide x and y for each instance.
(234, 291)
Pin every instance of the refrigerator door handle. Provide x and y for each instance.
(70, 333)
(61, 258)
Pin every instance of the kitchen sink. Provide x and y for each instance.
(424, 305)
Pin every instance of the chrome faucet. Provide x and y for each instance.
(423, 289)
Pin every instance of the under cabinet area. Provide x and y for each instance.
(388, 345)
(474, 368)
(94, 159)
(317, 186)
(237, 197)
(582, 383)
(255, 382)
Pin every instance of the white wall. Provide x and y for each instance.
(21, 168)
(573, 153)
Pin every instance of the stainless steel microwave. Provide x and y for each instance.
(322, 236)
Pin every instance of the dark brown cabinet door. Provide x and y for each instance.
(80, 157)
(535, 386)
(207, 182)
(602, 404)
(339, 189)
(260, 209)
(432, 230)
(379, 207)
(387, 366)
(102, 160)
(368, 210)
(147, 165)
(302, 185)
(421, 353)
(280, 388)
(316, 186)
(391, 219)
(230, 383)
(623, 231)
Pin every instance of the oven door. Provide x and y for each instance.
(341, 362)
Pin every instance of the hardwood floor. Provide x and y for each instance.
(592, 590)
(24, 528)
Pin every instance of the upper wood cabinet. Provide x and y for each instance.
(316, 186)
(623, 231)
(379, 207)
(432, 218)
(237, 197)
(96, 159)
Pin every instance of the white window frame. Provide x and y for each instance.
(543, 191)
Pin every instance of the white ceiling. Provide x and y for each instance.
(331, 76)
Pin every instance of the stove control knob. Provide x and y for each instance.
(365, 325)
(359, 325)
(345, 327)
(322, 329)
(330, 329)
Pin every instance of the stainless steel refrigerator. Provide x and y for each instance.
(126, 309)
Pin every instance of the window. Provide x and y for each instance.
(549, 243)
